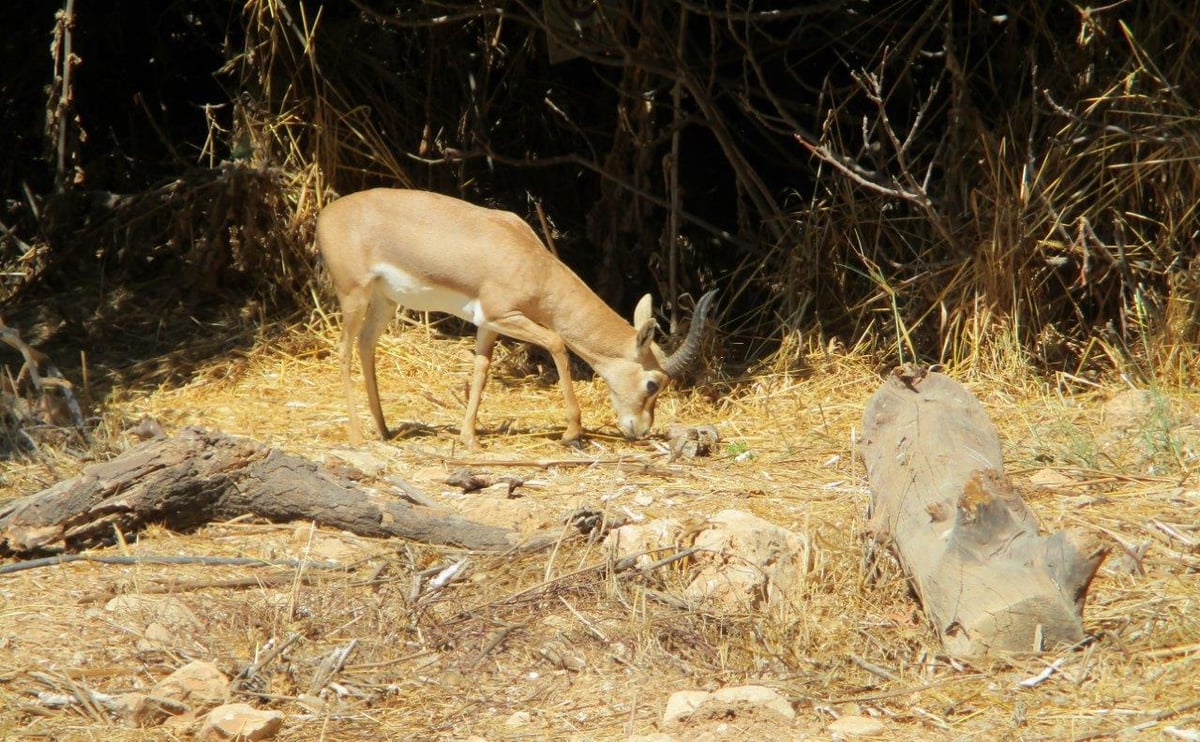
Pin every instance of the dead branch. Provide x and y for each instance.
(200, 476)
(160, 559)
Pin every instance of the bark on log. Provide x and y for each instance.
(200, 476)
(988, 581)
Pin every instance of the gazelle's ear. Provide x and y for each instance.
(643, 321)
(645, 336)
(643, 311)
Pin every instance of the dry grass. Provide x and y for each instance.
(987, 284)
(462, 661)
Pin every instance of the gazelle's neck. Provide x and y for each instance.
(591, 329)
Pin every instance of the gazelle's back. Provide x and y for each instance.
(413, 238)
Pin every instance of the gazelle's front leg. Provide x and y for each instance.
(562, 363)
(485, 341)
(522, 328)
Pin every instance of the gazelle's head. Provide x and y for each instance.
(636, 382)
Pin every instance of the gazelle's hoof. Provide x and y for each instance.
(576, 442)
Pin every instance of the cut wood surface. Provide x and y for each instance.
(200, 476)
(988, 580)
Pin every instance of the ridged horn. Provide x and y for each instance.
(686, 354)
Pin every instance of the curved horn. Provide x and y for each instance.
(686, 354)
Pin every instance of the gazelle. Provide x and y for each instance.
(429, 252)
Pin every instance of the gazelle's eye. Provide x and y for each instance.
(651, 386)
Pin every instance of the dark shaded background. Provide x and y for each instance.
(896, 173)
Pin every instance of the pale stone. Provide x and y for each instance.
(366, 462)
(314, 704)
(682, 704)
(156, 633)
(518, 719)
(559, 622)
(856, 726)
(739, 559)
(168, 612)
(139, 709)
(332, 549)
(1129, 410)
(642, 539)
(241, 722)
(685, 704)
(1050, 478)
(196, 684)
(744, 558)
(758, 696)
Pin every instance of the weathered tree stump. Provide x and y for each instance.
(988, 581)
(199, 476)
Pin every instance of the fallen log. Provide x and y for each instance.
(988, 580)
(200, 476)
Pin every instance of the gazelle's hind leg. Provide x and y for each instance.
(485, 341)
(354, 309)
(376, 314)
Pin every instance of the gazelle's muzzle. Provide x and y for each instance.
(633, 427)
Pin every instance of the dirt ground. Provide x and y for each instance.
(553, 644)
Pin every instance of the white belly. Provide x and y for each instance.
(408, 291)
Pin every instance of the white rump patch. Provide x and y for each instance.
(408, 291)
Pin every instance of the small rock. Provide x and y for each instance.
(470, 481)
(147, 428)
(740, 558)
(558, 622)
(157, 635)
(196, 684)
(1129, 410)
(768, 561)
(1050, 478)
(758, 696)
(559, 655)
(333, 549)
(641, 540)
(683, 705)
(141, 710)
(366, 463)
(165, 610)
(240, 722)
(156, 638)
(856, 726)
(518, 719)
(691, 442)
(311, 703)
